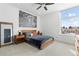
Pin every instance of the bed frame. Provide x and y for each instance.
(47, 43)
(43, 45)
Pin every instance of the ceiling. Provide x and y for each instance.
(31, 7)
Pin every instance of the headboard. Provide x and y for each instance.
(28, 30)
(34, 32)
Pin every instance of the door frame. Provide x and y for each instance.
(7, 23)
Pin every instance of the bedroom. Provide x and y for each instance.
(48, 22)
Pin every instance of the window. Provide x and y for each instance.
(70, 20)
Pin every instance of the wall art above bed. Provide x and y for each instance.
(27, 20)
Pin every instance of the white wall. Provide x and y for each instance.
(9, 14)
(28, 28)
(51, 25)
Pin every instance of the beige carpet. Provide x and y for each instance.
(24, 49)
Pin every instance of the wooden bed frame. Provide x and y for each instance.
(45, 44)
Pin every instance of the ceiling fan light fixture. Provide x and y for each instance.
(39, 7)
(43, 5)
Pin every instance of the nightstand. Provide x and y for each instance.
(19, 38)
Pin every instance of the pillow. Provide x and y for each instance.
(34, 33)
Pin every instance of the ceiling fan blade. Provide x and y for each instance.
(39, 3)
(49, 3)
(39, 7)
(45, 8)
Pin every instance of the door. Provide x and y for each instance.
(6, 34)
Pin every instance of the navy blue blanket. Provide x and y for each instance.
(38, 40)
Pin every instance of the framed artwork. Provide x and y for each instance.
(27, 20)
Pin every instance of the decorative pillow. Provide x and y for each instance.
(34, 33)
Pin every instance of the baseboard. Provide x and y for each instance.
(6, 45)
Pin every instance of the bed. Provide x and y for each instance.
(40, 41)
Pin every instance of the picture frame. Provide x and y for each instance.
(27, 20)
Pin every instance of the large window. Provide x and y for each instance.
(70, 20)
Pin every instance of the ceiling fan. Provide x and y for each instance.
(43, 5)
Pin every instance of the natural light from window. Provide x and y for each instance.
(70, 20)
